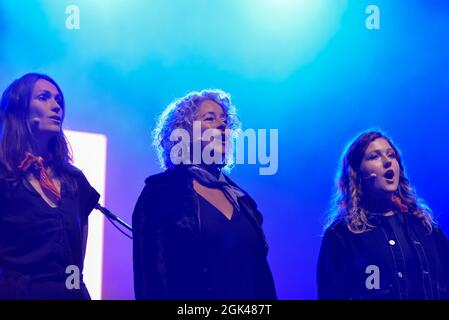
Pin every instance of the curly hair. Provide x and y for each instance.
(182, 112)
(347, 202)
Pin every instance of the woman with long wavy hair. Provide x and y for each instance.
(197, 235)
(44, 200)
(381, 241)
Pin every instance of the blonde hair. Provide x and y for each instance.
(181, 113)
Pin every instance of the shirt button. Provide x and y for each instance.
(400, 274)
(425, 272)
(392, 242)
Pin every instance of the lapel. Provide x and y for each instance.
(186, 208)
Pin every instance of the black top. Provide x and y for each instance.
(232, 257)
(38, 242)
(413, 272)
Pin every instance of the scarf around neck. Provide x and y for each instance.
(208, 179)
(36, 163)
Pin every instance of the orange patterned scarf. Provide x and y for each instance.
(44, 178)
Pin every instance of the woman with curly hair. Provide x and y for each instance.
(197, 235)
(44, 200)
(381, 241)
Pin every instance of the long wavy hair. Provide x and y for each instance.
(182, 112)
(348, 201)
(16, 137)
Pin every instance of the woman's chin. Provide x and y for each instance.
(47, 133)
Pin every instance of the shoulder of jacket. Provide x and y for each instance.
(168, 177)
(73, 171)
(156, 178)
(338, 229)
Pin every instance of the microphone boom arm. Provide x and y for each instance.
(112, 216)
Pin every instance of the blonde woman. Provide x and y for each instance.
(197, 235)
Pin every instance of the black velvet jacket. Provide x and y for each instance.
(345, 257)
(168, 256)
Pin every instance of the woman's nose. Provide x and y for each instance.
(221, 125)
(387, 162)
(55, 107)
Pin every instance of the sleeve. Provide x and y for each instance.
(148, 247)
(266, 286)
(88, 197)
(4, 185)
(7, 186)
(332, 266)
(258, 214)
(443, 245)
(4, 190)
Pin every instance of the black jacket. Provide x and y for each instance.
(345, 256)
(168, 252)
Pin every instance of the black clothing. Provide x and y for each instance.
(415, 289)
(230, 246)
(171, 257)
(411, 262)
(38, 242)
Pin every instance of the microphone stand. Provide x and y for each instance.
(112, 216)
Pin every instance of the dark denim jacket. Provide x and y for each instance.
(346, 261)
